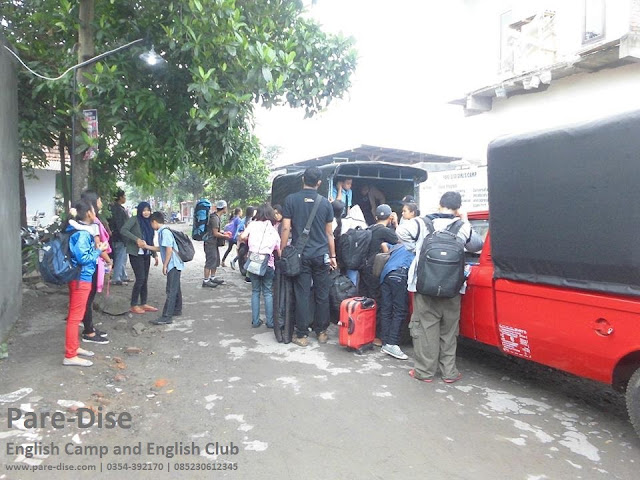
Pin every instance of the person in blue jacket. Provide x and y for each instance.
(84, 252)
(394, 304)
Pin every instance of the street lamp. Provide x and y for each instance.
(151, 58)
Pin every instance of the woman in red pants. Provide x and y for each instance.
(84, 253)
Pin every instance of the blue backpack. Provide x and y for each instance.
(200, 219)
(55, 261)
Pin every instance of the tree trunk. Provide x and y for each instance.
(86, 50)
(23, 199)
(62, 145)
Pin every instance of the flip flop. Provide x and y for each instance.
(412, 374)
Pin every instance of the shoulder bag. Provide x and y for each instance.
(257, 263)
(290, 261)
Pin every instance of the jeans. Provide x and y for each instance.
(140, 265)
(353, 276)
(264, 285)
(119, 262)
(394, 306)
(173, 303)
(78, 296)
(312, 268)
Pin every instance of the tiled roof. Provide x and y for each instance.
(52, 156)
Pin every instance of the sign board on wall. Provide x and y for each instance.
(470, 182)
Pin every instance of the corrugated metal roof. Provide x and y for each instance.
(371, 153)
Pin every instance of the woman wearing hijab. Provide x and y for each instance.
(137, 233)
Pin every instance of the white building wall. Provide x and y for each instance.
(40, 194)
(481, 25)
(577, 98)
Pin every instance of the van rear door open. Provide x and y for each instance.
(395, 181)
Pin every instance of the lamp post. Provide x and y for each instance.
(151, 58)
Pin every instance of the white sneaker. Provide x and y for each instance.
(76, 362)
(85, 353)
(394, 351)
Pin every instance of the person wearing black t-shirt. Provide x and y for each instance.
(318, 256)
(382, 232)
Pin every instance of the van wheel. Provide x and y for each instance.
(633, 400)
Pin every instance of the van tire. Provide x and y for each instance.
(633, 400)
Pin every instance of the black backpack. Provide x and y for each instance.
(353, 247)
(243, 250)
(185, 246)
(341, 288)
(55, 261)
(440, 269)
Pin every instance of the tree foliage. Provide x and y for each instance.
(250, 186)
(224, 57)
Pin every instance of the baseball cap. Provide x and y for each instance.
(220, 204)
(383, 211)
(408, 199)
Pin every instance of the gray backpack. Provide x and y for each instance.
(440, 269)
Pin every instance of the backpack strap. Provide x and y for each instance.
(429, 223)
(302, 240)
(161, 235)
(415, 239)
(455, 226)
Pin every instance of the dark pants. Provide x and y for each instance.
(226, 254)
(369, 286)
(173, 303)
(394, 306)
(140, 265)
(316, 269)
(87, 320)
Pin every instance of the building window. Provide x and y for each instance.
(506, 47)
(594, 21)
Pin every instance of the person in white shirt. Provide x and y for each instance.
(262, 239)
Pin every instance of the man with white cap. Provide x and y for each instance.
(213, 239)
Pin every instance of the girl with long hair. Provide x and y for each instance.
(262, 238)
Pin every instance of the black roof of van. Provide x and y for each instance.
(374, 171)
